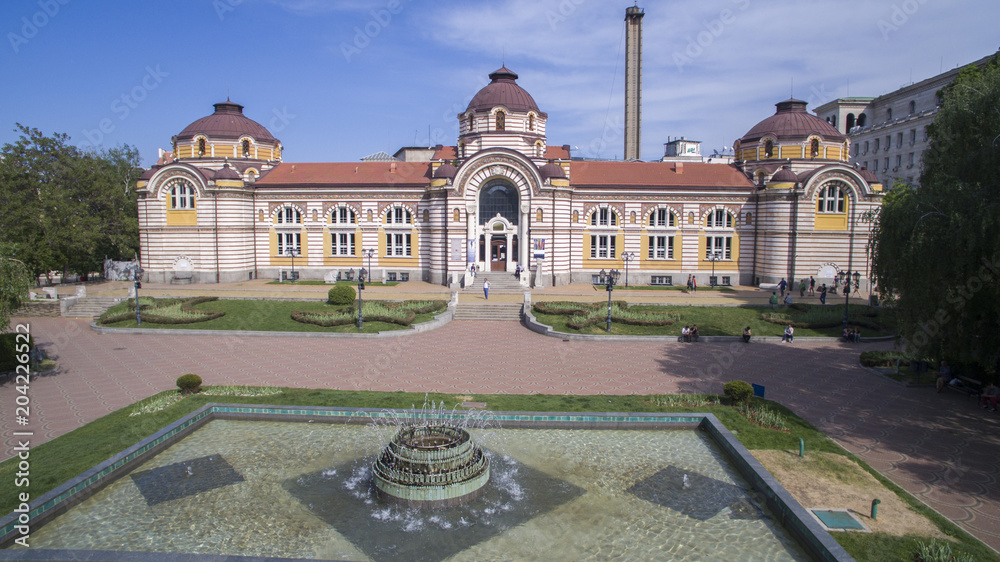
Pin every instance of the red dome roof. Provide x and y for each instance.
(227, 173)
(552, 170)
(228, 122)
(792, 122)
(784, 175)
(446, 171)
(503, 90)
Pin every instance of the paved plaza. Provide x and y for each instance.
(941, 447)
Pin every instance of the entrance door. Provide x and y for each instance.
(498, 255)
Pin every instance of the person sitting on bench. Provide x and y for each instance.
(991, 395)
(747, 334)
(686, 334)
(694, 332)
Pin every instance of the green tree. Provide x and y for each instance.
(65, 209)
(15, 281)
(936, 252)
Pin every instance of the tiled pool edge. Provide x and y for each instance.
(810, 534)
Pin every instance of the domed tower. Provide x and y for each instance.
(791, 137)
(811, 208)
(502, 115)
(228, 134)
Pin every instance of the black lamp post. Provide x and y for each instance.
(714, 257)
(846, 278)
(368, 254)
(610, 279)
(361, 288)
(138, 285)
(627, 257)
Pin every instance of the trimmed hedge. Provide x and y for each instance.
(738, 391)
(584, 315)
(149, 311)
(341, 294)
(401, 313)
(885, 358)
(189, 383)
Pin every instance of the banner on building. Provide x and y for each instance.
(456, 249)
(472, 250)
(538, 248)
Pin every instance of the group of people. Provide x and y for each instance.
(774, 299)
(810, 286)
(852, 335)
(690, 333)
(692, 284)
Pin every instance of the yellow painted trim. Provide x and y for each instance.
(182, 218)
(559, 182)
(439, 182)
(283, 260)
(831, 221)
(730, 264)
(341, 261)
(141, 183)
(229, 183)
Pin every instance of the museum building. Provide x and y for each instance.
(224, 207)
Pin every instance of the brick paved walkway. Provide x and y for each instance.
(941, 447)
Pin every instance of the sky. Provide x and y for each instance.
(336, 80)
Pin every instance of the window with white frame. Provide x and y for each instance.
(602, 246)
(342, 243)
(397, 245)
(398, 215)
(720, 218)
(662, 218)
(343, 215)
(830, 199)
(289, 242)
(604, 217)
(289, 215)
(720, 246)
(661, 248)
(181, 195)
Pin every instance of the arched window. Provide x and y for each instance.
(662, 218)
(539, 215)
(427, 215)
(576, 216)
(830, 199)
(539, 149)
(201, 147)
(343, 215)
(749, 219)
(498, 197)
(631, 217)
(768, 149)
(814, 148)
(862, 119)
(531, 121)
(398, 215)
(289, 215)
(471, 121)
(246, 148)
(850, 121)
(913, 107)
(456, 216)
(604, 217)
(461, 149)
(501, 121)
(251, 176)
(888, 114)
(720, 218)
(181, 195)
(761, 177)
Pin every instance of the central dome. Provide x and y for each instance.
(228, 122)
(792, 122)
(503, 90)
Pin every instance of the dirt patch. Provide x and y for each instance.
(835, 481)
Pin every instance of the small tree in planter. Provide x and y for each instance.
(341, 295)
(189, 383)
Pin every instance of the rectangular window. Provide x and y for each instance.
(913, 137)
(661, 247)
(877, 141)
(899, 139)
(720, 246)
(909, 160)
(661, 217)
(289, 241)
(726, 280)
(661, 280)
(888, 142)
(899, 160)
(866, 147)
(886, 164)
(875, 165)
(602, 246)
(390, 276)
(397, 245)
(343, 244)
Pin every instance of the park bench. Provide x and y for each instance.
(970, 386)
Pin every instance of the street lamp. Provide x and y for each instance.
(627, 257)
(368, 254)
(361, 284)
(290, 251)
(715, 256)
(138, 285)
(610, 278)
(846, 278)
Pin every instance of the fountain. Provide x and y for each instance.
(429, 466)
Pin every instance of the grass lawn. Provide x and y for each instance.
(351, 283)
(267, 316)
(718, 289)
(720, 321)
(62, 458)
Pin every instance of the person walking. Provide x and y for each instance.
(802, 288)
(822, 294)
(486, 288)
(782, 285)
(812, 286)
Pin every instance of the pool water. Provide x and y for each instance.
(303, 490)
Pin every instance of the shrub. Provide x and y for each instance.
(11, 350)
(189, 383)
(939, 552)
(738, 391)
(341, 295)
(761, 416)
(885, 358)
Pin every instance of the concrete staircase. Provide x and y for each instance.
(483, 311)
(91, 307)
(500, 283)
